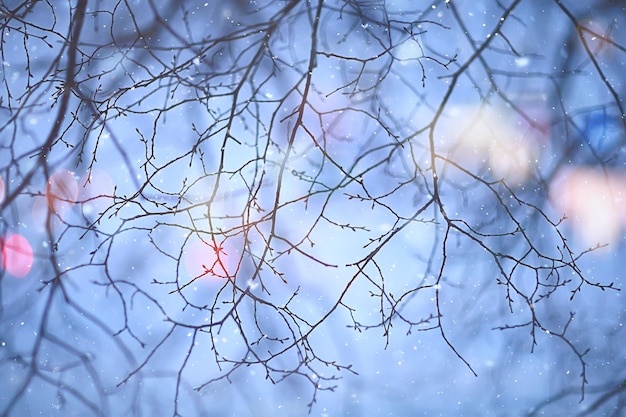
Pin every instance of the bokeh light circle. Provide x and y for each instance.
(17, 255)
(203, 260)
(61, 191)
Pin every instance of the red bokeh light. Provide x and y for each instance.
(17, 255)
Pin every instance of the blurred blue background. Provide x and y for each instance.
(228, 225)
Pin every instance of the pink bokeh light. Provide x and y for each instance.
(203, 259)
(17, 255)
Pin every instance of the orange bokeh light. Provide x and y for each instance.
(60, 196)
(61, 191)
(17, 255)
(493, 138)
(594, 200)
